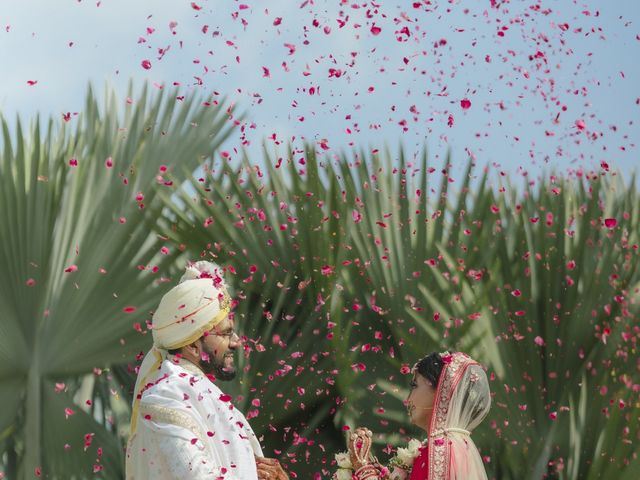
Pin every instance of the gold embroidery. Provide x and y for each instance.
(225, 301)
(157, 413)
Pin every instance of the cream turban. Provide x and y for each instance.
(197, 304)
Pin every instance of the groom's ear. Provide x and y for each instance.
(193, 348)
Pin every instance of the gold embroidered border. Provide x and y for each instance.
(439, 446)
(172, 417)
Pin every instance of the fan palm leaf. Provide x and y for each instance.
(406, 274)
(76, 251)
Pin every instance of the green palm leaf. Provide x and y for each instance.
(479, 247)
(54, 217)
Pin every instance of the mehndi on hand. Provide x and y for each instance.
(365, 465)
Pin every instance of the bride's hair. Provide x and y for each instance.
(430, 367)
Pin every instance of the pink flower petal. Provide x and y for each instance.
(326, 270)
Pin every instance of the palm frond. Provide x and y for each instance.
(77, 253)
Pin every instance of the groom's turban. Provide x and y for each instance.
(197, 304)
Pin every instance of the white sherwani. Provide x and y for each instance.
(188, 429)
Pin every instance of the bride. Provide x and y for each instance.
(449, 397)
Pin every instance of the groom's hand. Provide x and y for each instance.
(270, 469)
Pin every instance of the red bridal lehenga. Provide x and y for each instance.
(420, 469)
(461, 402)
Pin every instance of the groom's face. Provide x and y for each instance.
(420, 401)
(218, 347)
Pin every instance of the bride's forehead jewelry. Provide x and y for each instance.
(446, 352)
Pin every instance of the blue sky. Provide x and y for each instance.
(551, 84)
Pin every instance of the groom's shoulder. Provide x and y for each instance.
(180, 380)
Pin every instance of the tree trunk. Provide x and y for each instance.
(33, 427)
(12, 459)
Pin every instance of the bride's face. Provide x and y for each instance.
(420, 401)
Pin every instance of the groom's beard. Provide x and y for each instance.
(224, 369)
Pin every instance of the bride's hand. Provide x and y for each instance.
(360, 447)
(398, 474)
(270, 469)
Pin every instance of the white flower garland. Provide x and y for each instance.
(402, 463)
(345, 469)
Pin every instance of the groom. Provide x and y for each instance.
(182, 425)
